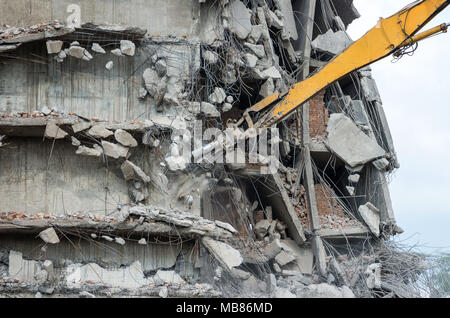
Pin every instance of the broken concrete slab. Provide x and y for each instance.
(49, 236)
(114, 150)
(132, 172)
(285, 6)
(226, 255)
(332, 42)
(371, 216)
(125, 138)
(349, 143)
(226, 226)
(284, 258)
(237, 18)
(80, 126)
(272, 249)
(52, 130)
(304, 256)
(20, 269)
(100, 131)
(128, 277)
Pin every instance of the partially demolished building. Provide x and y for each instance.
(97, 198)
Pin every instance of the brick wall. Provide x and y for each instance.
(326, 201)
(318, 116)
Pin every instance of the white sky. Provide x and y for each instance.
(416, 98)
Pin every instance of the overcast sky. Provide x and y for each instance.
(416, 98)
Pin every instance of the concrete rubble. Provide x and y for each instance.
(99, 154)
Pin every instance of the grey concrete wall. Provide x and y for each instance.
(107, 254)
(159, 17)
(72, 183)
(32, 181)
(87, 88)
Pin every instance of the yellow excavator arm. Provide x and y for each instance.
(387, 37)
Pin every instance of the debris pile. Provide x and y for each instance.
(109, 135)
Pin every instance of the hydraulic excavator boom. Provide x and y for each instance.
(388, 37)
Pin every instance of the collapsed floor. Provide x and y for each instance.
(99, 198)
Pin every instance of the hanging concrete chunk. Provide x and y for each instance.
(127, 47)
(226, 255)
(381, 164)
(257, 49)
(332, 42)
(285, 6)
(161, 68)
(251, 60)
(255, 33)
(210, 57)
(132, 172)
(54, 47)
(49, 236)
(354, 178)
(54, 131)
(370, 89)
(218, 96)
(371, 216)
(268, 88)
(373, 273)
(97, 48)
(109, 65)
(271, 72)
(209, 110)
(349, 143)
(114, 150)
(80, 126)
(99, 131)
(76, 51)
(125, 138)
(117, 52)
(86, 151)
(238, 19)
(120, 240)
(226, 226)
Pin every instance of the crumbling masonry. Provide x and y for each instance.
(96, 199)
